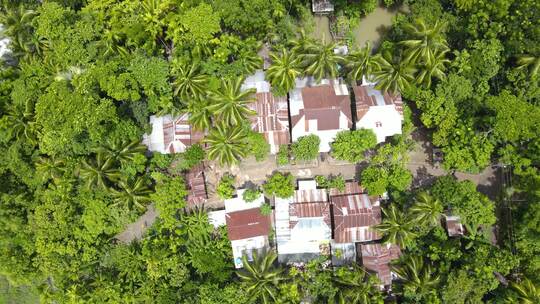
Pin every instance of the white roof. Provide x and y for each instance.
(217, 218)
(256, 81)
(237, 203)
(307, 184)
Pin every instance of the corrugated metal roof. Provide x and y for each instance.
(310, 195)
(196, 185)
(247, 224)
(454, 226)
(377, 258)
(354, 218)
(272, 118)
(367, 96)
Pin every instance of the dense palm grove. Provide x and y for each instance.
(83, 77)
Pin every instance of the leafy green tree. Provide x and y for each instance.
(226, 144)
(426, 210)
(527, 292)
(121, 150)
(96, 172)
(280, 185)
(17, 25)
(356, 287)
(351, 145)
(394, 75)
(322, 62)
(169, 197)
(250, 61)
(419, 280)
(306, 147)
(529, 62)
(427, 40)
(258, 146)
(282, 157)
(225, 188)
(331, 182)
(231, 103)
(361, 63)
(132, 193)
(397, 227)
(261, 277)
(251, 195)
(190, 82)
(283, 72)
(193, 156)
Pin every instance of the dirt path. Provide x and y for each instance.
(136, 230)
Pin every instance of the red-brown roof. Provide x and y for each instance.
(350, 188)
(307, 210)
(196, 185)
(377, 258)
(323, 105)
(246, 224)
(364, 100)
(272, 119)
(454, 226)
(354, 218)
(179, 129)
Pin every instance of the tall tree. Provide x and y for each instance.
(426, 41)
(356, 287)
(200, 116)
(527, 292)
(397, 227)
(361, 63)
(96, 172)
(395, 75)
(417, 277)
(284, 70)
(303, 44)
(50, 168)
(227, 144)
(432, 69)
(132, 193)
(426, 210)
(189, 81)
(230, 103)
(17, 26)
(122, 150)
(321, 61)
(529, 62)
(261, 277)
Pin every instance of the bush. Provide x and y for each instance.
(280, 185)
(225, 188)
(282, 156)
(250, 195)
(258, 147)
(336, 182)
(306, 147)
(266, 209)
(161, 161)
(351, 145)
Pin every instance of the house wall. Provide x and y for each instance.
(326, 136)
(389, 118)
(245, 246)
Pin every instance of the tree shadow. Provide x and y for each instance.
(423, 178)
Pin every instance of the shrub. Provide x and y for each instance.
(306, 147)
(282, 156)
(266, 209)
(225, 188)
(280, 185)
(337, 182)
(250, 195)
(351, 145)
(258, 147)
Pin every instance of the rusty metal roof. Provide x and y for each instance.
(247, 223)
(179, 129)
(454, 226)
(367, 96)
(196, 185)
(354, 218)
(272, 119)
(377, 258)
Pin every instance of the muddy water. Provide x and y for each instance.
(322, 29)
(373, 26)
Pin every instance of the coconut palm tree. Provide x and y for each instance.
(321, 61)
(394, 75)
(426, 41)
(132, 193)
(301, 45)
(112, 43)
(17, 25)
(230, 103)
(200, 116)
(19, 124)
(529, 62)
(250, 62)
(356, 287)
(435, 68)
(96, 172)
(122, 150)
(284, 70)
(50, 167)
(397, 227)
(227, 144)
(527, 292)
(261, 277)
(416, 275)
(426, 210)
(189, 81)
(361, 63)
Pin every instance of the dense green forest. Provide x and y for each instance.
(83, 76)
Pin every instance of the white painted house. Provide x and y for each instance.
(171, 134)
(377, 111)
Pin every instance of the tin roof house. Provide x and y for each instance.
(322, 6)
(272, 118)
(378, 111)
(171, 134)
(322, 109)
(376, 258)
(196, 185)
(454, 227)
(247, 228)
(303, 224)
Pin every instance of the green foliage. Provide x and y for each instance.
(351, 145)
(306, 147)
(332, 182)
(225, 188)
(193, 156)
(266, 209)
(280, 185)
(282, 157)
(251, 195)
(169, 197)
(258, 145)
